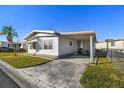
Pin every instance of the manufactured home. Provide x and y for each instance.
(15, 46)
(113, 44)
(58, 45)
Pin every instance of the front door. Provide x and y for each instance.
(81, 45)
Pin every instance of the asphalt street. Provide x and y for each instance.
(6, 81)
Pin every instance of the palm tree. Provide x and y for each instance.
(10, 33)
(107, 41)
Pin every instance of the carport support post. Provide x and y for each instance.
(91, 48)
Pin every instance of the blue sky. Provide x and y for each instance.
(107, 21)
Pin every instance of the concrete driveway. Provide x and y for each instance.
(59, 73)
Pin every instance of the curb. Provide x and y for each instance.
(22, 79)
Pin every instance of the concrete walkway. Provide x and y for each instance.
(59, 73)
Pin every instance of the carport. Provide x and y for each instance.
(85, 40)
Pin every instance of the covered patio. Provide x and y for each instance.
(85, 44)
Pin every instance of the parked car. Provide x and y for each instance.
(6, 49)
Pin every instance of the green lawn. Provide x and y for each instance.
(21, 61)
(103, 75)
(99, 54)
(2, 54)
(119, 66)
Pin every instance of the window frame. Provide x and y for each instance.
(113, 43)
(33, 45)
(48, 44)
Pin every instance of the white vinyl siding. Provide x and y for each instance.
(67, 46)
(51, 47)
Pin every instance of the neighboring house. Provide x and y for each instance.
(15, 46)
(114, 44)
(3, 44)
(24, 45)
(59, 45)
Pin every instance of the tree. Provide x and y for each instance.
(10, 33)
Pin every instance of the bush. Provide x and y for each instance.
(100, 54)
(22, 50)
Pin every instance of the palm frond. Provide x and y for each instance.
(15, 34)
(9, 32)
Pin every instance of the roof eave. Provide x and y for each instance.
(40, 31)
(78, 33)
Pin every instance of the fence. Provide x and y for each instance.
(116, 55)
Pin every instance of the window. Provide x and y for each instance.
(123, 43)
(8, 46)
(112, 43)
(48, 44)
(70, 43)
(33, 45)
